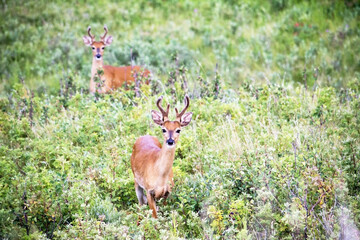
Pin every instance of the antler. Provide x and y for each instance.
(92, 36)
(179, 115)
(163, 112)
(106, 31)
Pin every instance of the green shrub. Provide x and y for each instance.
(272, 150)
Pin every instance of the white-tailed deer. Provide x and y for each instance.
(112, 77)
(152, 163)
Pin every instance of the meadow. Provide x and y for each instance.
(272, 152)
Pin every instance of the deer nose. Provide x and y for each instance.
(98, 55)
(170, 142)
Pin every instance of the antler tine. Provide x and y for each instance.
(163, 112)
(187, 103)
(106, 31)
(92, 36)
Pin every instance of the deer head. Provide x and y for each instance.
(171, 129)
(97, 47)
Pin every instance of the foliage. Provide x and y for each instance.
(273, 148)
(245, 167)
(303, 42)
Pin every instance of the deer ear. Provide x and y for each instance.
(186, 119)
(87, 40)
(108, 40)
(157, 118)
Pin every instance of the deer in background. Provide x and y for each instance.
(152, 163)
(112, 77)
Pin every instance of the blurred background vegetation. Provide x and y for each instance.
(251, 41)
(273, 151)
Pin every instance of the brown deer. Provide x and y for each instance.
(112, 77)
(152, 163)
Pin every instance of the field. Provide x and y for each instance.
(272, 152)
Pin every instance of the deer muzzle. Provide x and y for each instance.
(170, 142)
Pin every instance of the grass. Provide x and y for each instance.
(272, 150)
(252, 41)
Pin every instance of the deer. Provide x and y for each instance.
(111, 77)
(151, 162)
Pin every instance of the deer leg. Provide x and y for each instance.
(169, 186)
(151, 201)
(140, 194)
(166, 195)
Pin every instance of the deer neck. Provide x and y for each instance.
(166, 159)
(96, 65)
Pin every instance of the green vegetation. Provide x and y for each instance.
(273, 151)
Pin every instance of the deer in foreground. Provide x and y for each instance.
(112, 77)
(152, 163)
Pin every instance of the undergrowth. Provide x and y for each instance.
(272, 151)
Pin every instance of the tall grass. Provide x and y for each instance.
(252, 41)
(272, 151)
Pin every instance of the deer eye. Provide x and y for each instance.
(164, 130)
(178, 131)
(103, 48)
(93, 48)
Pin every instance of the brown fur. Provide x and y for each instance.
(113, 77)
(152, 167)
(152, 163)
